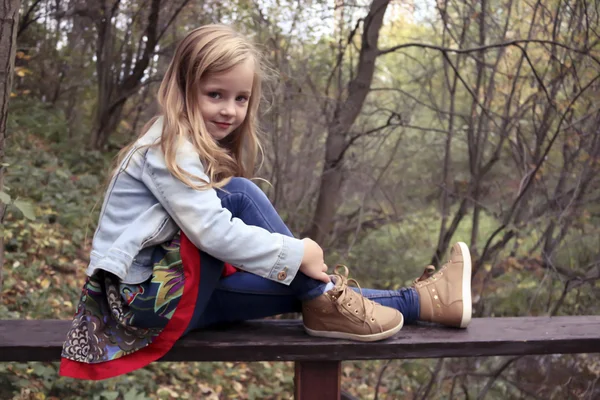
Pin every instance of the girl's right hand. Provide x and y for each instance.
(313, 264)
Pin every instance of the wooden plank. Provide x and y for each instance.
(285, 340)
(317, 380)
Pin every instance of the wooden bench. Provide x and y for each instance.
(317, 360)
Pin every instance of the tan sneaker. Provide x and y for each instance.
(342, 313)
(445, 295)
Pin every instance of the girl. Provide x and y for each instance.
(185, 240)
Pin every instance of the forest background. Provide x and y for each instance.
(392, 129)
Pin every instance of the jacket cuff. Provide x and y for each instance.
(287, 265)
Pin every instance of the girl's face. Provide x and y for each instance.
(224, 99)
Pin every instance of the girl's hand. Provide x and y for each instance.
(313, 264)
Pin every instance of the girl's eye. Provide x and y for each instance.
(214, 95)
(242, 99)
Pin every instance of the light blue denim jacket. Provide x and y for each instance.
(146, 205)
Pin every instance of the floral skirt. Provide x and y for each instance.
(118, 328)
(151, 304)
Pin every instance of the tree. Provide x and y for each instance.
(124, 53)
(342, 118)
(116, 86)
(9, 13)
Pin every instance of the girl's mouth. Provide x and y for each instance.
(222, 125)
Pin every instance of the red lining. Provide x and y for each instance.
(229, 270)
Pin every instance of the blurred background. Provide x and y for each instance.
(387, 139)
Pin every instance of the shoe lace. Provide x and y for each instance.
(349, 296)
(427, 273)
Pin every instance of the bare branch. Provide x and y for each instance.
(175, 14)
(586, 51)
(495, 376)
(528, 179)
(27, 18)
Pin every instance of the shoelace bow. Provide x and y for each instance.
(367, 304)
(427, 273)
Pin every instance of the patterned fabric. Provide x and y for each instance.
(152, 303)
(114, 319)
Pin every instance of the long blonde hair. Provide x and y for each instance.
(207, 50)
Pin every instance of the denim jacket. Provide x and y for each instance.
(145, 205)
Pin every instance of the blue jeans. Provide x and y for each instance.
(244, 296)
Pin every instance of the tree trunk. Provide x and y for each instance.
(344, 116)
(104, 70)
(114, 91)
(107, 122)
(9, 18)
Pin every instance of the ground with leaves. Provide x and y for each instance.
(44, 271)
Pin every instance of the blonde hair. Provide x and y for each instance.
(207, 50)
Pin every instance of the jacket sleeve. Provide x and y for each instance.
(210, 226)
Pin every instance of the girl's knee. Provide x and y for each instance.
(244, 185)
(237, 182)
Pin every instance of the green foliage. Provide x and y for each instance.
(60, 176)
(24, 207)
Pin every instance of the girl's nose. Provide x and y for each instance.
(228, 109)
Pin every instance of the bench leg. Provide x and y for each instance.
(317, 380)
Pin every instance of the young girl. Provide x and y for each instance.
(185, 240)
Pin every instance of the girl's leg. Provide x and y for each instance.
(244, 296)
(247, 202)
(405, 300)
(248, 299)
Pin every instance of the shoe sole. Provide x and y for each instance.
(466, 286)
(353, 336)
